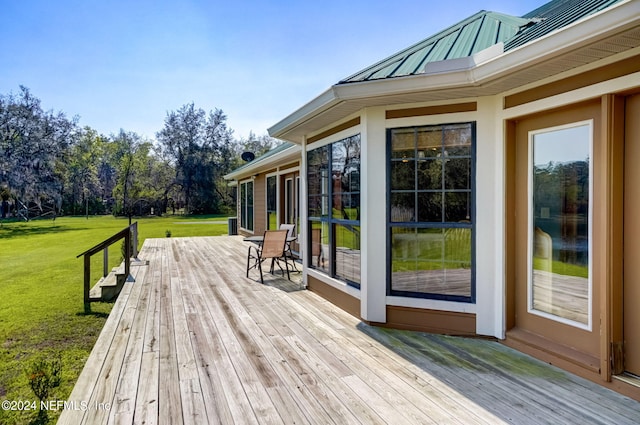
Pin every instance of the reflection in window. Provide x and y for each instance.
(246, 205)
(318, 181)
(431, 211)
(559, 217)
(433, 260)
(347, 252)
(319, 246)
(333, 179)
(272, 210)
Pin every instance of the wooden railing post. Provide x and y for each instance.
(130, 236)
(87, 283)
(127, 254)
(105, 261)
(134, 245)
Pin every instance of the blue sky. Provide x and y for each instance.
(125, 64)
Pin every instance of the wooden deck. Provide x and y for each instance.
(193, 341)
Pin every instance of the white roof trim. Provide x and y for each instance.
(486, 66)
(320, 104)
(257, 165)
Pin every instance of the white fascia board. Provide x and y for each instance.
(260, 165)
(400, 85)
(578, 34)
(316, 106)
(474, 71)
(486, 65)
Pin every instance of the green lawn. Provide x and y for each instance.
(431, 250)
(562, 268)
(41, 294)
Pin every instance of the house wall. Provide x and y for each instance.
(415, 313)
(259, 204)
(335, 295)
(605, 86)
(496, 118)
(284, 170)
(492, 314)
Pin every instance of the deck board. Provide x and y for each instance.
(193, 341)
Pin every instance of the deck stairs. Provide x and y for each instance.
(108, 287)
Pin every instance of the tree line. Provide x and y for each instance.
(50, 165)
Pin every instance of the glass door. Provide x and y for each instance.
(555, 304)
(559, 268)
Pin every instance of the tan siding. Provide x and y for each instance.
(342, 300)
(432, 321)
(609, 72)
(334, 130)
(259, 204)
(432, 110)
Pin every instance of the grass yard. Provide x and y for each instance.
(41, 304)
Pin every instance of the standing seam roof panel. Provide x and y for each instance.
(556, 15)
(442, 48)
(466, 40)
(476, 33)
(488, 36)
(412, 64)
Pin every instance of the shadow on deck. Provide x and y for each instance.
(194, 341)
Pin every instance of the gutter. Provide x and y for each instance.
(473, 71)
(259, 165)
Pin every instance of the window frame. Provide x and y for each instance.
(327, 219)
(415, 225)
(289, 201)
(244, 205)
(274, 202)
(531, 138)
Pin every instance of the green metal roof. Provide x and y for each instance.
(476, 33)
(554, 15)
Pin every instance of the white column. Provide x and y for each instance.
(304, 214)
(489, 225)
(373, 186)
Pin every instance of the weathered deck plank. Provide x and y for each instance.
(169, 400)
(123, 405)
(193, 341)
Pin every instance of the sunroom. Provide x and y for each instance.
(412, 182)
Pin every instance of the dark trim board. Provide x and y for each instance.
(406, 318)
(432, 110)
(585, 79)
(432, 321)
(340, 299)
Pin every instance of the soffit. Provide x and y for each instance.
(286, 154)
(528, 73)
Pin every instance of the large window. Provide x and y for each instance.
(246, 205)
(431, 211)
(333, 178)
